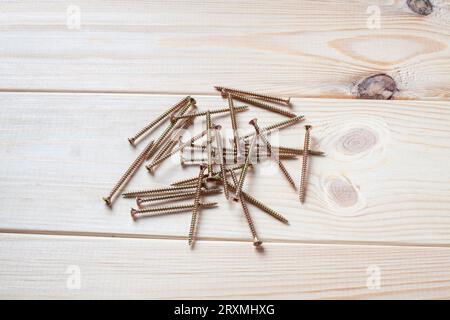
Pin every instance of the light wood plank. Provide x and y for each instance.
(385, 178)
(301, 48)
(39, 267)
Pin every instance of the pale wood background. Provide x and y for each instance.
(70, 98)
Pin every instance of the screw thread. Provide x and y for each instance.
(159, 211)
(195, 210)
(160, 118)
(244, 170)
(182, 196)
(278, 125)
(128, 173)
(263, 105)
(250, 199)
(203, 113)
(133, 194)
(264, 97)
(304, 170)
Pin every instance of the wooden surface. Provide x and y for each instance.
(379, 199)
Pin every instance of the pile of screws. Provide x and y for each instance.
(217, 164)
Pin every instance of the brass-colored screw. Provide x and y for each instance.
(277, 125)
(244, 170)
(158, 211)
(286, 150)
(208, 143)
(263, 97)
(250, 199)
(174, 140)
(129, 173)
(304, 175)
(254, 123)
(162, 138)
(222, 160)
(178, 196)
(234, 126)
(140, 193)
(263, 105)
(171, 153)
(196, 206)
(248, 217)
(159, 119)
(194, 179)
(203, 113)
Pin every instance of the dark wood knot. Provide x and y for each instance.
(422, 7)
(379, 86)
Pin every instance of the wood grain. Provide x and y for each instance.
(39, 267)
(300, 48)
(385, 178)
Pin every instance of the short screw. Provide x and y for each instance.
(130, 172)
(263, 97)
(263, 105)
(158, 211)
(196, 206)
(159, 119)
(304, 171)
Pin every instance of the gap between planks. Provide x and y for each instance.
(199, 94)
(215, 239)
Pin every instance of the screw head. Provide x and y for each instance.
(134, 213)
(308, 127)
(131, 141)
(107, 201)
(253, 122)
(139, 202)
(257, 242)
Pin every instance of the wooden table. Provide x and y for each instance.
(79, 77)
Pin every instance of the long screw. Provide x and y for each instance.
(159, 119)
(263, 97)
(192, 180)
(254, 123)
(244, 170)
(139, 193)
(128, 174)
(222, 160)
(179, 196)
(251, 225)
(208, 143)
(171, 153)
(203, 113)
(277, 125)
(158, 211)
(304, 175)
(162, 138)
(233, 125)
(286, 150)
(174, 140)
(263, 105)
(196, 206)
(250, 199)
